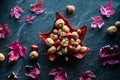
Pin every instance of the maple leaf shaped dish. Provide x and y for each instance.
(64, 40)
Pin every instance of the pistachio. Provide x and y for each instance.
(53, 36)
(70, 9)
(59, 23)
(2, 57)
(78, 40)
(64, 50)
(49, 42)
(66, 28)
(65, 42)
(75, 35)
(117, 23)
(33, 55)
(52, 49)
(78, 31)
(77, 48)
(83, 49)
(112, 30)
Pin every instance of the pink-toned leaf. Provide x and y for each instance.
(14, 44)
(16, 12)
(29, 19)
(4, 32)
(108, 55)
(22, 51)
(59, 74)
(109, 4)
(107, 10)
(97, 22)
(34, 71)
(13, 56)
(38, 10)
(88, 75)
(16, 51)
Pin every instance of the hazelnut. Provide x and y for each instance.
(34, 55)
(72, 41)
(77, 48)
(65, 42)
(75, 35)
(53, 36)
(64, 50)
(59, 23)
(117, 23)
(49, 42)
(34, 47)
(75, 43)
(2, 57)
(70, 9)
(62, 33)
(52, 49)
(83, 49)
(78, 31)
(66, 28)
(112, 30)
(78, 40)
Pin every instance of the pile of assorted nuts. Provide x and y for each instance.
(113, 29)
(62, 41)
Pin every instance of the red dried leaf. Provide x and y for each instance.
(81, 36)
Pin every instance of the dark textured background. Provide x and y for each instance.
(27, 34)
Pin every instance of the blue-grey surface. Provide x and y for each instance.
(27, 34)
